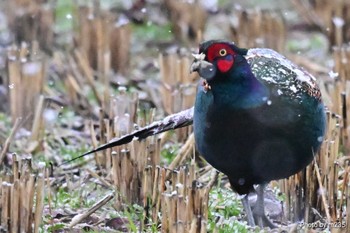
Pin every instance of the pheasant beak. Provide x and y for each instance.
(194, 67)
(205, 69)
(197, 61)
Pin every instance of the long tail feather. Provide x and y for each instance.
(174, 121)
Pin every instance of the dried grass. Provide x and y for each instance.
(19, 211)
(331, 17)
(258, 28)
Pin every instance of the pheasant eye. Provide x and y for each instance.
(222, 52)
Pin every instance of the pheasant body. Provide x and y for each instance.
(262, 120)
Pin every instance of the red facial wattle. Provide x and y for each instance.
(223, 55)
(224, 65)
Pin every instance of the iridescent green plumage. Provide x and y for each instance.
(261, 120)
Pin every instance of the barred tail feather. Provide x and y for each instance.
(174, 121)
